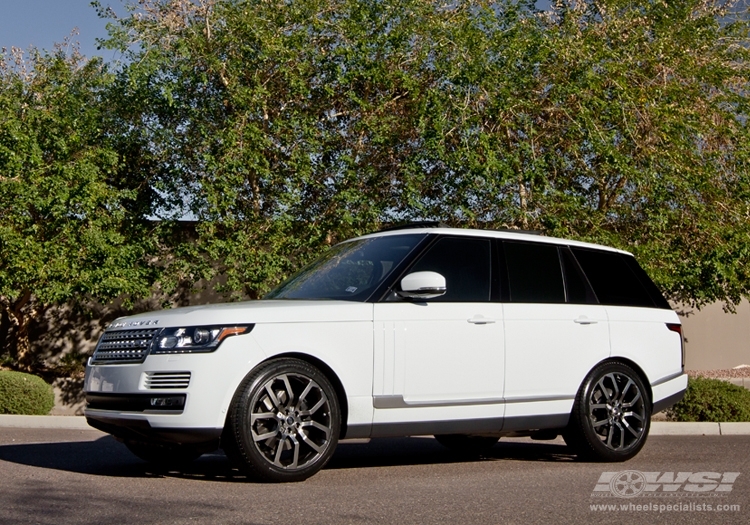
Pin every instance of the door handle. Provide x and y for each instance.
(584, 320)
(478, 319)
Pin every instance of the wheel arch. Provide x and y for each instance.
(330, 375)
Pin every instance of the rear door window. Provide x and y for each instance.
(534, 273)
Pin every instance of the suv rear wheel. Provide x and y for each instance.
(611, 414)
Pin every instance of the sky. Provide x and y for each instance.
(42, 23)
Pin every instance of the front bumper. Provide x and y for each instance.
(135, 401)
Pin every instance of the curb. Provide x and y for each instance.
(658, 428)
(61, 422)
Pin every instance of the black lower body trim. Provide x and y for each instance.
(545, 422)
(668, 402)
(140, 430)
(470, 426)
(136, 402)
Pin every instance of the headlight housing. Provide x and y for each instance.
(195, 339)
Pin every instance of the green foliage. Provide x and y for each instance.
(712, 400)
(24, 394)
(281, 127)
(285, 126)
(67, 230)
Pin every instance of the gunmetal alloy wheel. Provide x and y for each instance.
(285, 422)
(611, 415)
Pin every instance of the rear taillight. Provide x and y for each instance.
(676, 327)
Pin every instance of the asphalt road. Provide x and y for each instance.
(71, 476)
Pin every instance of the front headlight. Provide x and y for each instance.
(196, 339)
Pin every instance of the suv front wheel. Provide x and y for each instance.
(284, 422)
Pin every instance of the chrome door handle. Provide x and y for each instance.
(478, 319)
(585, 320)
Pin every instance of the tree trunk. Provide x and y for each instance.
(20, 312)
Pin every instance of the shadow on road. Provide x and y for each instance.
(107, 457)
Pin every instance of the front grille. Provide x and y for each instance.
(124, 346)
(167, 379)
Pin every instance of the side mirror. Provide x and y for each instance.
(422, 285)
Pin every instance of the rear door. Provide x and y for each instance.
(554, 330)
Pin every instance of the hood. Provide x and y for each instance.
(259, 311)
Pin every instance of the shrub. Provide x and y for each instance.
(24, 394)
(712, 400)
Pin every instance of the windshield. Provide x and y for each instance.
(350, 271)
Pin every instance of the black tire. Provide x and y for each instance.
(467, 444)
(611, 414)
(165, 455)
(284, 422)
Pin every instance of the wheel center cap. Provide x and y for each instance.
(290, 421)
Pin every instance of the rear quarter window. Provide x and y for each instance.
(618, 280)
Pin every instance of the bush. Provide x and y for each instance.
(25, 394)
(712, 400)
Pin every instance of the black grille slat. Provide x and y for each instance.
(124, 346)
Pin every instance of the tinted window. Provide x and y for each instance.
(577, 290)
(534, 273)
(465, 264)
(613, 280)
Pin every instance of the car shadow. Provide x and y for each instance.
(107, 457)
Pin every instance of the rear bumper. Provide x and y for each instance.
(668, 393)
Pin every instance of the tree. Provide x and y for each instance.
(611, 121)
(284, 126)
(66, 233)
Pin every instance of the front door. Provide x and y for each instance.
(442, 359)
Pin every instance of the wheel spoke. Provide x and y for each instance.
(304, 393)
(272, 396)
(603, 389)
(317, 406)
(624, 390)
(631, 429)
(261, 415)
(289, 391)
(279, 450)
(622, 435)
(633, 401)
(616, 392)
(295, 460)
(310, 442)
(600, 423)
(599, 405)
(317, 425)
(264, 436)
(632, 414)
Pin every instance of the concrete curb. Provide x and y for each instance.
(63, 422)
(658, 428)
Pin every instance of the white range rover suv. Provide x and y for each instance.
(467, 335)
